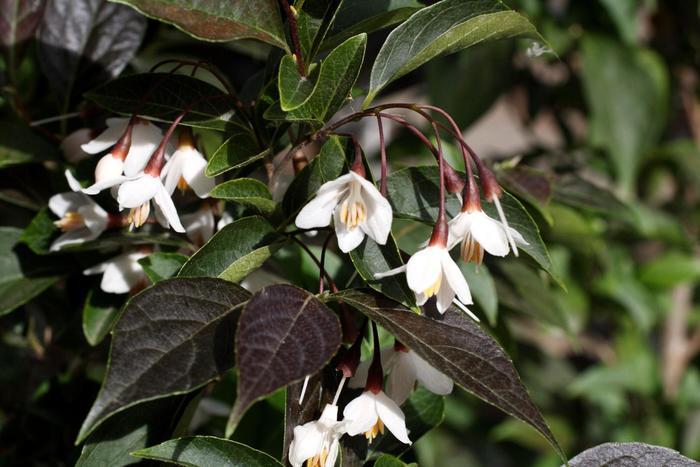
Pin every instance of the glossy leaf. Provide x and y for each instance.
(171, 339)
(168, 96)
(100, 312)
(18, 21)
(85, 42)
(294, 89)
(197, 451)
(21, 278)
(414, 194)
(358, 16)
(627, 91)
(284, 334)
(386, 460)
(160, 265)
(458, 347)
(632, 454)
(336, 77)
(327, 166)
(482, 288)
(246, 192)
(219, 20)
(237, 151)
(234, 251)
(19, 144)
(441, 29)
(581, 193)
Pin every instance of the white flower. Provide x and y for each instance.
(478, 232)
(81, 219)
(120, 274)
(369, 413)
(145, 138)
(357, 208)
(71, 145)
(431, 271)
(226, 219)
(186, 168)
(317, 442)
(199, 225)
(405, 368)
(136, 194)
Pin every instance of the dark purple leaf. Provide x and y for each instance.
(18, 21)
(630, 455)
(455, 345)
(284, 334)
(85, 42)
(171, 339)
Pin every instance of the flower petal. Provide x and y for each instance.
(379, 214)
(144, 140)
(95, 218)
(307, 443)
(490, 235)
(360, 414)
(402, 378)
(318, 212)
(105, 140)
(348, 239)
(193, 172)
(172, 171)
(392, 417)
(74, 237)
(457, 229)
(103, 184)
(433, 379)
(444, 297)
(138, 191)
(73, 183)
(423, 269)
(456, 279)
(108, 167)
(62, 203)
(165, 203)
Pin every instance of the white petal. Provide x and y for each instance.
(101, 185)
(423, 269)
(434, 380)
(332, 453)
(379, 214)
(193, 172)
(226, 219)
(105, 140)
(136, 192)
(136, 160)
(457, 229)
(456, 279)
(62, 203)
(348, 239)
(97, 269)
(317, 213)
(73, 183)
(118, 278)
(71, 145)
(402, 378)
(390, 272)
(144, 140)
(95, 218)
(489, 234)
(160, 217)
(444, 297)
(307, 443)
(199, 225)
(108, 167)
(360, 414)
(392, 417)
(519, 239)
(172, 171)
(74, 237)
(165, 203)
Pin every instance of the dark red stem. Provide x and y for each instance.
(294, 33)
(375, 375)
(382, 153)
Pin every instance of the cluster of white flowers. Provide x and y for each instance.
(129, 170)
(317, 442)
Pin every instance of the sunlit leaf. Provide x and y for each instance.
(246, 192)
(637, 454)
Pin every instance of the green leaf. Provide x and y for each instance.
(235, 251)
(135, 428)
(671, 269)
(458, 347)
(21, 278)
(414, 194)
(247, 192)
(357, 16)
(337, 75)
(630, 454)
(219, 20)
(370, 258)
(581, 193)
(237, 151)
(168, 96)
(199, 451)
(19, 144)
(172, 338)
(483, 289)
(100, 312)
(386, 460)
(627, 91)
(284, 334)
(441, 29)
(294, 89)
(327, 166)
(159, 266)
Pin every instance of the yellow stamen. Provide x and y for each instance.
(182, 184)
(375, 430)
(319, 460)
(472, 251)
(70, 221)
(139, 215)
(433, 289)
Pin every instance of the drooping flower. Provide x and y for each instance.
(357, 209)
(137, 193)
(316, 442)
(432, 272)
(371, 412)
(71, 146)
(199, 225)
(477, 232)
(144, 138)
(120, 274)
(186, 168)
(80, 218)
